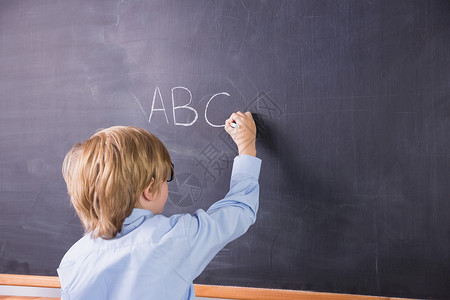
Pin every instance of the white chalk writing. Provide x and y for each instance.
(177, 93)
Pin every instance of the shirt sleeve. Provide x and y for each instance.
(208, 232)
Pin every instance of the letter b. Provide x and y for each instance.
(186, 106)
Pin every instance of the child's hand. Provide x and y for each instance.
(244, 134)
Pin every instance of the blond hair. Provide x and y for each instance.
(106, 174)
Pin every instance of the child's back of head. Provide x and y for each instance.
(106, 174)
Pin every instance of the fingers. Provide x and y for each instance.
(234, 118)
(239, 116)
(244, 134)
(228, 122)
(243, 121)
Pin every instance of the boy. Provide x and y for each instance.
(117, 182)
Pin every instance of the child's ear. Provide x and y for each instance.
(148, 192)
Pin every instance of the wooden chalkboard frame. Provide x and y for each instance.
(210, 291)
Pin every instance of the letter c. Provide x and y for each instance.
(206, 109)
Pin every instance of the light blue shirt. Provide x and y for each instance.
(155, 257)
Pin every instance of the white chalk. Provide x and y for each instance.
(234, 125)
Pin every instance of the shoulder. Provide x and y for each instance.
(81, 247)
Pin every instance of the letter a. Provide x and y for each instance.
(158, 109)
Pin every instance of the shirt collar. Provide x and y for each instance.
(133, 221)
(136, 214)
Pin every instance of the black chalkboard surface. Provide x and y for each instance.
(353, 111)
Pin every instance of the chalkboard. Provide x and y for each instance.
(352, 104)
